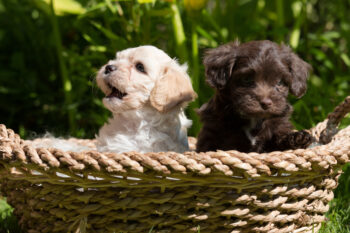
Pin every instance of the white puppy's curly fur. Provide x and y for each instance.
(146, 91)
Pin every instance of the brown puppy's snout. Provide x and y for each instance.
(110, 69)
(266, 103)
(263, 91)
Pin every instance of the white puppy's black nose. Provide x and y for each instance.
(110, 69)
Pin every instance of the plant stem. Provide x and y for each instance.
(195, 58)
(179, 33)
(280, 18)
(298, 19)
(195, 79)
(66, 83)
(180, 43)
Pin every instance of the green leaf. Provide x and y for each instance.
(146, 1)
(94, 9)
(331, 35)
(207, 36)
(98, 48)
(42, 6)
(66, 6)
(111, 35)
(294, 38)
(108, 33)
(160, 12)
(345, 59)
(316, 81)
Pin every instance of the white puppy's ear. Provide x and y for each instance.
(174, 88)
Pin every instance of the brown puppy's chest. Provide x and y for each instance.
(258, 134)
(250, 135)
(253, 135)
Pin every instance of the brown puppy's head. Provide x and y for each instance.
(255, 78)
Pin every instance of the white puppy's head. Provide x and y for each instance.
(144, 76)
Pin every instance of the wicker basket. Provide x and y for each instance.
(223, 191)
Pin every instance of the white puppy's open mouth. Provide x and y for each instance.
(115, 93)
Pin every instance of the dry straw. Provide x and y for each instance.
(223, 191)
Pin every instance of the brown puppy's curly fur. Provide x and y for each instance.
(249, 111)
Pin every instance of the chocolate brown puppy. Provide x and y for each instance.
(250, 111)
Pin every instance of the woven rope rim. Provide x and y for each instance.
(16, 151)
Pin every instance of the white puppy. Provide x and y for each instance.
(146, 91)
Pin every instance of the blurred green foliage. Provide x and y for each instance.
(8, 223)
(51, 50)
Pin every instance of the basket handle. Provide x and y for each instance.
(334, 119)
(8, 140)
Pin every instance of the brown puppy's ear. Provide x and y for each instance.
(171, 90)
(299, 71)
(219, 63)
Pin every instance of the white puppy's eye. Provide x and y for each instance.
(140, 67)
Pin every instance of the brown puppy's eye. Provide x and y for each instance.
(247, 81)
(282, 83)
(140, 67)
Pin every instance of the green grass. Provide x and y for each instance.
(339, 212)
(8, 222)
(338, 217)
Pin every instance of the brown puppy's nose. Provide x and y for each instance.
(266, 103)
(110, 69)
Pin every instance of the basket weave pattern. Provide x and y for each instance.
(223, 191)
